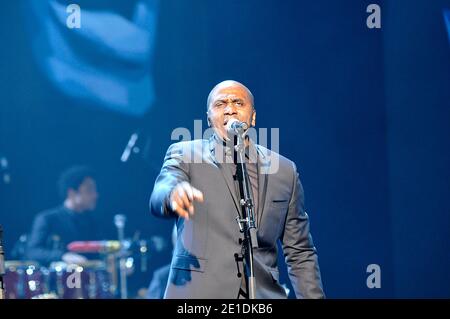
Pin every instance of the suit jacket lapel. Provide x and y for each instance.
(226, 170)
(263, 177)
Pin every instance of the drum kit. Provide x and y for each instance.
(93, 279)
(103, 277)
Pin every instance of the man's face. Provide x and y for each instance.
(228, 102)
(86, 195)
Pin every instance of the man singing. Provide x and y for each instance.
(204, 197)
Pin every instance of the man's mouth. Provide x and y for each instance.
(225, 121)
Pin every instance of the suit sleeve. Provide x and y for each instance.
(298, 247)
(37, 244)
(174, 170)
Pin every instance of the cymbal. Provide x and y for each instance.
(87, 264)
(20, 263)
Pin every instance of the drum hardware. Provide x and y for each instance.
(119, 222)
(2, 265)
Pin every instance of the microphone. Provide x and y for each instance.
(236, 127)
(131, 146)
(119, 220)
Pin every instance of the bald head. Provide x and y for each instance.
(228, 84)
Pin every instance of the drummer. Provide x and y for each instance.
(73, 220)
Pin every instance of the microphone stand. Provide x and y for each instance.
(247, 222)
(2, 265)
(119, 221)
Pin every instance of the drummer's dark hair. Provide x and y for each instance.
(72, 178)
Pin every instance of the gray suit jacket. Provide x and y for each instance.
(204, 263)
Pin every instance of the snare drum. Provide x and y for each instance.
(89, 280)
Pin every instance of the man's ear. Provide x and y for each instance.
(254, 118)
(207, 118)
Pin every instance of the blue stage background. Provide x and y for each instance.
(364, 113)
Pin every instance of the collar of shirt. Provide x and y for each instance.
(225, 150)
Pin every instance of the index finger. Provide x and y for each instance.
(198, 195)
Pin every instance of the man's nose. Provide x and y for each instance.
(230, 109)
